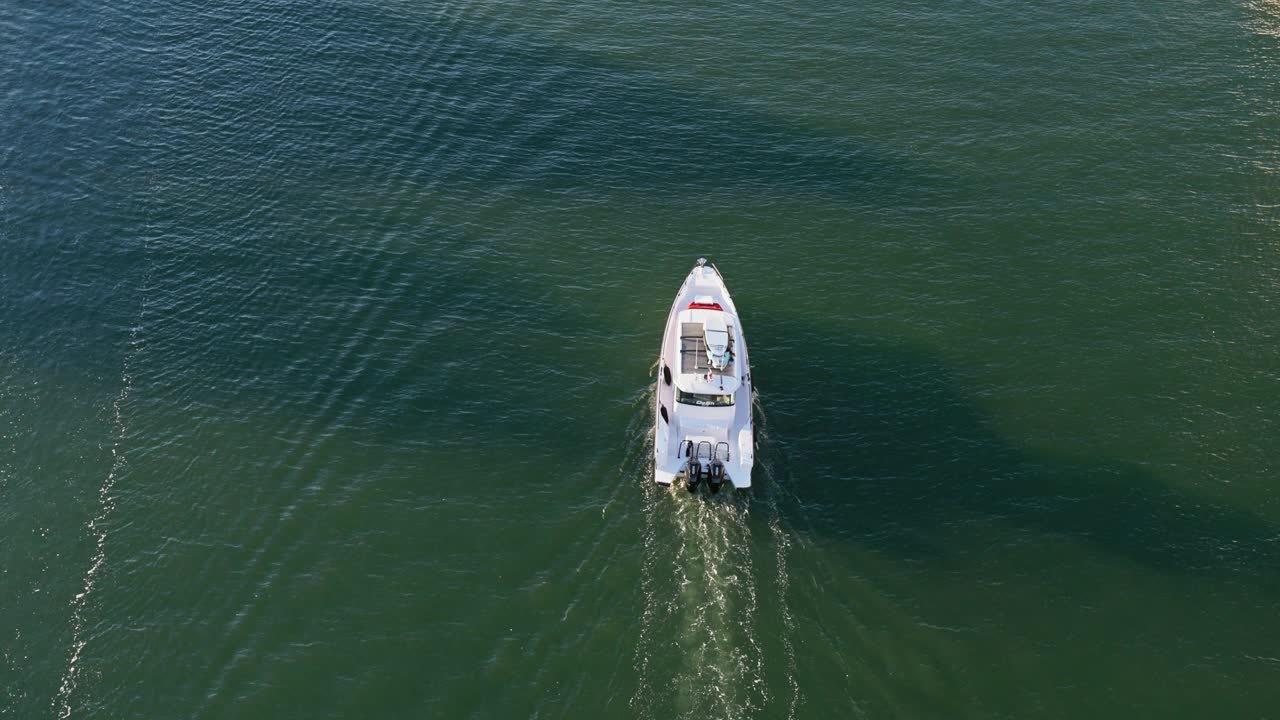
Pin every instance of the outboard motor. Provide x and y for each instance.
(715, 476)
(693, 473)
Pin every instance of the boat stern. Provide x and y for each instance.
(665, 476)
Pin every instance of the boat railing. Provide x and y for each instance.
(703, 450)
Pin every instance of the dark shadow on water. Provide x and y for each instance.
(384, 119)
(465, 104)
(880, 445)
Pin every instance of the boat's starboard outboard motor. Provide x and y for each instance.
(693, 474)
(715, 476)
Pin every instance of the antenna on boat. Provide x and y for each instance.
(702, 261)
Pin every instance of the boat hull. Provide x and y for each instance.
(703, 425)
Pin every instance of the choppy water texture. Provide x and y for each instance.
(327, 332)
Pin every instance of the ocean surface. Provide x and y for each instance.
(328, 333)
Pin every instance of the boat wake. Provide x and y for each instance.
(782, 544)
(97, 528)
(714, 582)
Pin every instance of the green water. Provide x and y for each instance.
(327, 333)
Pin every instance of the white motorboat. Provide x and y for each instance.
(703, 428)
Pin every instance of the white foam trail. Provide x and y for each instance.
(97, 525)
(649, 617)
(97, 529)
(781, 543)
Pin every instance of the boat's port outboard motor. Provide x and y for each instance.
(693, 474)
(715, 476)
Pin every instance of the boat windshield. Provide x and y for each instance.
(689, 398)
